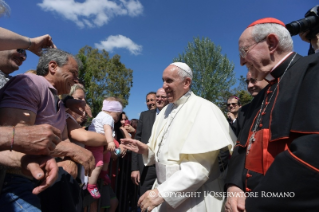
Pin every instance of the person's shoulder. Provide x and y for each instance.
(24, 81)
(148, 112)
(313, 58)
(32, 77)
(245, 107)
(203, 102)
(38, 81)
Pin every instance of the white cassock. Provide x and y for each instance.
(186, 138)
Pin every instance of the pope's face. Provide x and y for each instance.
(256, 54)
(174, 85)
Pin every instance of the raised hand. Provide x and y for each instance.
(134, 145)
(38, 43)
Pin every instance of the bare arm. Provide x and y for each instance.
(109, 138)
(135, 146)
(77, 133)
(11, 40)
(78, 154)
(35, 140)
(19, 117)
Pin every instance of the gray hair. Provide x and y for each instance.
(59, 56)
(76, 87)
(260, 32)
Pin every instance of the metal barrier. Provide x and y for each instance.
(123, 187)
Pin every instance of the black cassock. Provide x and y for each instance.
(282, 165)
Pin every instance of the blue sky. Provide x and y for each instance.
(147, 34)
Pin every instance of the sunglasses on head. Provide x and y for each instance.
(22, 52)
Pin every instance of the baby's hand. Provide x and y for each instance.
(111, 146)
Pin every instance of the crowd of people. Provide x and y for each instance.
(184, 153)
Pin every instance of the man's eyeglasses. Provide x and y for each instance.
(251, 80)
(243, 51)
(22, 52)
(233, 104)
(163, 97)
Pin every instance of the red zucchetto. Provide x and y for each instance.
(267, 21)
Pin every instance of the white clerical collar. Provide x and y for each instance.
(183, 99)
(269, 77)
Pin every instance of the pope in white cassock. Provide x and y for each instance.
(184, 146)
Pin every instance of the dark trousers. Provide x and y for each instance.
(65, 195)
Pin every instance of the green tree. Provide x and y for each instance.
(104, 76)
(212, 72)
(240, 91)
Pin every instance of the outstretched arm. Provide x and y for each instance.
(11, 40)
(135, 146)
(88, 138)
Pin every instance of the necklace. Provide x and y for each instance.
(169, 124)
(252, 137)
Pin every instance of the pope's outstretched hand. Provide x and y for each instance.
(134, 145)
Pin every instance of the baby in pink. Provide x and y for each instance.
(103, 123)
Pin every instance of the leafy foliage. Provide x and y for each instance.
(103, 77)
(212, 72)
(240, 91)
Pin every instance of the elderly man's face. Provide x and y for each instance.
(66, 76)
(151, 101)
(254, 86)
(161, 99)
(174, 85)
(256, 54)
(10, 60)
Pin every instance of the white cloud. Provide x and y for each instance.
(119, 41)
(92, 13)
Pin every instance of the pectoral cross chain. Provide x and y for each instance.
(251, 140)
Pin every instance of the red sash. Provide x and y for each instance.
(263, 152)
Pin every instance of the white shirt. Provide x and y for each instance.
(99, 121)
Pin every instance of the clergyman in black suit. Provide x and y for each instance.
(146, 175)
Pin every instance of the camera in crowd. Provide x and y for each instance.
(310, 22)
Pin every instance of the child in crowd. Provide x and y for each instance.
(103, 123)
